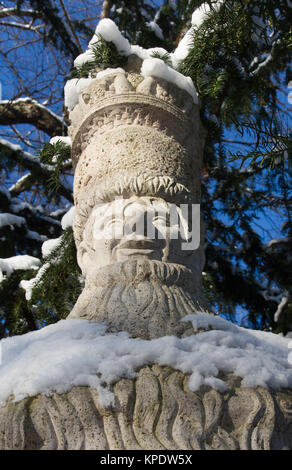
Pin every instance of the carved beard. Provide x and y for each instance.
(147, 298)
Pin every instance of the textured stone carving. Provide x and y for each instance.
(138, 139)
(156, 411)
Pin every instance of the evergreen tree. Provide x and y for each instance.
(239, 57)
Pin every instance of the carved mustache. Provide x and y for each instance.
(143, 244)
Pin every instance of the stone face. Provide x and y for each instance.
(137, 151)
(156, 411)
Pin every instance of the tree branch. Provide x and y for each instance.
(69, 23)
(23, 184)
(29, 111)
(105, 9)
(27, 27)
(39, 171)
(19, 13)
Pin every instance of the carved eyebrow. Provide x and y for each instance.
(112, 217)
(141, 202)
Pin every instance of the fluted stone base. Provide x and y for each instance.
(155, 411)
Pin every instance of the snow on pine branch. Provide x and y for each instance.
(202, 13)
(48, 247)
(11, 220)
(109, 31)
(24, 262)
(155, 28)
(154, 66)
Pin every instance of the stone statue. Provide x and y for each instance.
(137, 152)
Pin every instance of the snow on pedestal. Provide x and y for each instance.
(224, 388)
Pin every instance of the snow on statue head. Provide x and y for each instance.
(137, 155)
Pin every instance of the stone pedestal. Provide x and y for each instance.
(156, 411)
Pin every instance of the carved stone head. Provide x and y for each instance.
(137, 153)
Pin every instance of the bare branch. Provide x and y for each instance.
(27, 27)
(69, 23)
(21, 137)
(241, 142)
(105, 9)
(19, 13)
(29, 111)
(23, 184)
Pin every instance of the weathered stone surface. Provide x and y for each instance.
(156, 411)
(138, 140)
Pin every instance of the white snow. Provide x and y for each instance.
(8, 265)
(201, 13)
(19, 181)
(157, 68)
(87, 56)
(282, 304)
(67, 219)
(81, 353)
(49, 245)
(75, 86)
(110, 32)
(155, 28)
(198, 17)
(35, 236)
(147, 53)
(182, 49)
(60, 138)
(30, 284)
(72, 89)
(11, 220)
(47, 248)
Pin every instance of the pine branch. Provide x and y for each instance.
(29, 318)
(272, 56)
(40, 172)
(29, 111)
